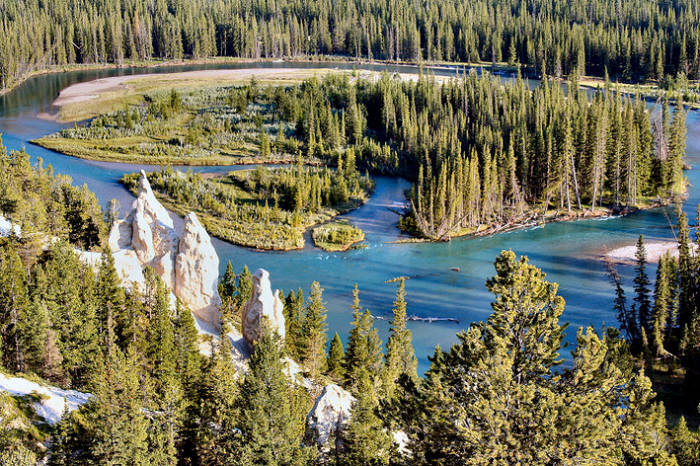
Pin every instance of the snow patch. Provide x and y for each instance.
(54, 400)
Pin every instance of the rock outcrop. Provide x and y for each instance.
(182, 255)
(197, 271)
(330, 414)
(263, 306)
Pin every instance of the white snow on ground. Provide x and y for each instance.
(6, 227)
(54, 401)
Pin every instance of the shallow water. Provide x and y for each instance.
(568, 252)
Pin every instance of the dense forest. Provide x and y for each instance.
(662, 321)
(635, 40)
(500, 395)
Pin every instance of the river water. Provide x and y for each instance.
(568, 252)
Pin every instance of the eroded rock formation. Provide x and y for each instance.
(182, 255)
(263, 305)
(197, 271)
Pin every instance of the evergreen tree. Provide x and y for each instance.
(400, 356)
(642, 303)
(478, 401)
(314, 330)
(365, 441)
(294, 316)
(685, 444)
(218, 421)
(336, 358)
(364, 348)
(662, 306)
(109, 293)
(22, 325)
(116, 426)
(268, 433)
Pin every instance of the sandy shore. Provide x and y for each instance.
(89, 90)
(82, 92)
(655, 250)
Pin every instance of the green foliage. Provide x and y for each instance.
(336, 358)
(365, 441)
(400, 355)
(314, 330)
(617, 38)
(38, 201)
(217, 416)
(496, 398)
(18, 434)
(337, 236)
(267, 208)
(364, 348)
(294, 317)
(269, 433)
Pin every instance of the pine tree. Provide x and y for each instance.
(116, 424)
(478, 400)
(336, 358)
(641, 288)
(22, 325)
(245, 286)
(227, 285)
(268, 433)
(217, 419)
(400, 356)
(314, 330)
(168, 403)
(662, 305)
(189, 364)
(364, 348)
(685, 444)
(294, 317)
(109, 293)
(365, 441)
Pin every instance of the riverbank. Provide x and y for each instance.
(156, 63)
(73, 148)
(89, 99)
(655, 250)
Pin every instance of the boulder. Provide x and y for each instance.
(263, 305)
(197, 272)
(330, 414)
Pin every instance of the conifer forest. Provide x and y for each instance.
(349, 232)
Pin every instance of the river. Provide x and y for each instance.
(568, 252)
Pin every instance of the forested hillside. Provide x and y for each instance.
(635, 40)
